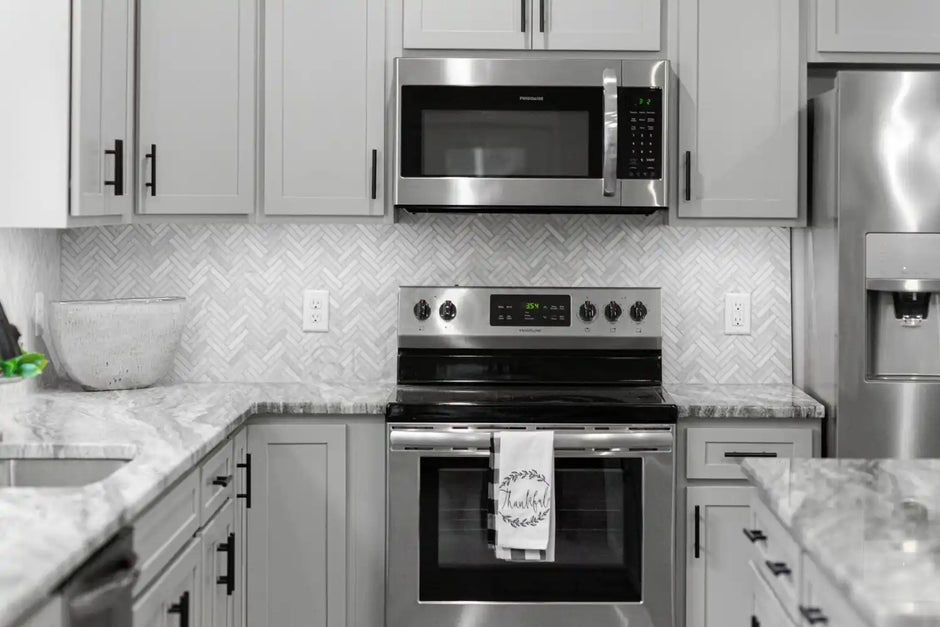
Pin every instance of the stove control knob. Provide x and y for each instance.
(612, 311)
(448, 310)
(422, 310)
(638, 311)
(588, 311)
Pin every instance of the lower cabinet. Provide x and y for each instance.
(220, 578)
(297, 525)
(766, 610)
(174, 598)
(717, 572)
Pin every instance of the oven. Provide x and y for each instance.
(614, 487)
(534, 135)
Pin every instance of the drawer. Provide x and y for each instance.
(766, 609)
(822, 599)
(217, 479)
(776, 555)
(715, 453)
(165, 528)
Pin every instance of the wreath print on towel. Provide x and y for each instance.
(526, 491)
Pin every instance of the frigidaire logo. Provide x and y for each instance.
(534, 98)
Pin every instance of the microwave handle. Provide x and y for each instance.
(610, 132)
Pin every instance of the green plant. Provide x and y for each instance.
(28, 365)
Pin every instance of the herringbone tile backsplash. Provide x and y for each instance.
(244, 284)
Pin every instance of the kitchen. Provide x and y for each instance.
(407, 230)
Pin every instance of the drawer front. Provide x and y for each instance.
(777, 556)
(766, 608)
(165, 528)
(217, 479)
(821, 598)
(715, 453)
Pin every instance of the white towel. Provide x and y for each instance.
(524, 500)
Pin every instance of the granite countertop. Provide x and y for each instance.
(45, 533)
(848, 516)
(743, 401)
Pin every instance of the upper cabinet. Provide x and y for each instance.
(878, 26)
(533, 24)
(197, 65)
(739, 109)
(324, 112)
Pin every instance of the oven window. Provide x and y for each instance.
(501, 132)
(598, 535)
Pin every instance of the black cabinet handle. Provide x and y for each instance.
(541, 16)
(228, 579)
(737, 454)
(754, 621)
(222, 481)
(522, 4)
(181, 608)
(688, 176)
(152, 155)
(755, 535)
(247, 494)
(375, 173)
(813, 615)
(778, 568)
(697, 546)
(118, 181)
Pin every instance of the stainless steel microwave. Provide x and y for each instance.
(531, 135)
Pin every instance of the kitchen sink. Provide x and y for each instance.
(62, 466)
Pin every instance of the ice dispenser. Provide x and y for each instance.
(903, 293)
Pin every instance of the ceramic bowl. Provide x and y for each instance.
(115, 344)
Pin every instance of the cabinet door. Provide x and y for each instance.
(197, 106)
(598, 24)
(219, 550)
(877, 26)
(174, 593)
(297, 525)
(718, 574)
(739, 108)
(766, 610)
(324, 107)
(102, 101)
(474, 24)
(242, 476)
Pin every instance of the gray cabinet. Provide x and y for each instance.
(765, 608)
(242, 478)
(102, 181)
(739, 109)
(174, 593)
(324, 108)
(197, 65)
(222, 589)
(297, 546)
(717, 573)
(535, 24)
(877, 26)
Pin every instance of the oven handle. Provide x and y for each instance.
(429, 440)
(610, 132)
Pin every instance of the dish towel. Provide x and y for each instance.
(521, 494)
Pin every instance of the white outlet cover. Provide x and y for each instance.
(316, 311)
(738, 314)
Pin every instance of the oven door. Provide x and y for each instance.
(475, 133)
(613, 533)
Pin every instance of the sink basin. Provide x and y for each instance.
(63, 466)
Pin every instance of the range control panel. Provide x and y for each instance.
(575, 313)
(640, 133)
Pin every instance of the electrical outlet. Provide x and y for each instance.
(316, 311)
(738, 314)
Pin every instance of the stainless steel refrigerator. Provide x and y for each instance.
(871, 288)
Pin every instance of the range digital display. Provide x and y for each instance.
(530, 310)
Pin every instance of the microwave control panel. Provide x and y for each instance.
(640, 133)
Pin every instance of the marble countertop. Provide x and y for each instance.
(45, 533)
(743, 401)
(849, 515)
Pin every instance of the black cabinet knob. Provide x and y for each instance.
(448, 310)
(814, 615)
(638, 311)
(755, 535)
(422, 310)
(588, 311)
(613, 311)
(222, 481)
(778, 568)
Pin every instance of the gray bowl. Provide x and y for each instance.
(115, 344)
